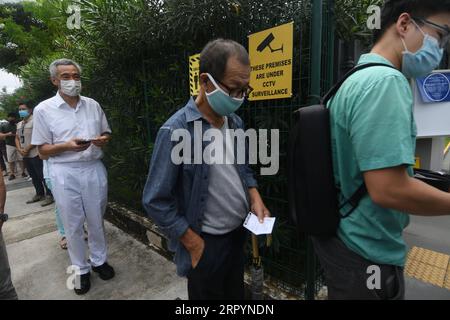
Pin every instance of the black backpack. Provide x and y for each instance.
(313, 196)
(435, 179)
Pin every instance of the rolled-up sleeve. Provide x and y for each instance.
(41, 132)
(158, 198)
(249, 177)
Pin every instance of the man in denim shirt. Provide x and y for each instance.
(201, 205)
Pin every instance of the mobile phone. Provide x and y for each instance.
(81, 142)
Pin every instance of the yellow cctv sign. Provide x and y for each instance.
(271, 54)
(194, 74)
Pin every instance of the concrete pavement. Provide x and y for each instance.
(39, 265)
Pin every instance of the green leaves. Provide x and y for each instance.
(351, 18)
(32, 28)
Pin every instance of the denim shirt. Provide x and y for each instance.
(175, 195)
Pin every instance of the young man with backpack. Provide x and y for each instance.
(373, 136)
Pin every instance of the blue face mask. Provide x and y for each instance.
(23, 113)
(221, 102)
(424, 61)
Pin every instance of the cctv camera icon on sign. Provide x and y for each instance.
(266, 43)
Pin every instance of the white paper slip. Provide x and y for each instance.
(252, 223)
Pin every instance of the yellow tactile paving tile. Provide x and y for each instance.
(426, 273)
(447, 279)
(432, 258)
(429, 266)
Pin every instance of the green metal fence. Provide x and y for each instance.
(290, 260)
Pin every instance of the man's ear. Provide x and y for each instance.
(54, 81)
(204, 81)
(403, 24)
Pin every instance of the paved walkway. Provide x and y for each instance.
(39, 265)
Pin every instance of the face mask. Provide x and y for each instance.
(23, 113)
(71, 88)
(424, 61)
(221, 102)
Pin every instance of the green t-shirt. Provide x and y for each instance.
(7, 128)
(372, 127)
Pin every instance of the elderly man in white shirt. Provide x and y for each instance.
(72, 130)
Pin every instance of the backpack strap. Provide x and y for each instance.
(356, 198)
(338, 85)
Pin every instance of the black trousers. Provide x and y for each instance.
(219, 274)
(3, 155)
(7, 291)
(349, 276)
(35, 168)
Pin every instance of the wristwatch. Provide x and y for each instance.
(3, 217)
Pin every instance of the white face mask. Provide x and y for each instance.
(71, 88)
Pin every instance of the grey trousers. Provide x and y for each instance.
(7, 291)
(349, 276)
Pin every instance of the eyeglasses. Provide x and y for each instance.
(234, 93)
(445, 37)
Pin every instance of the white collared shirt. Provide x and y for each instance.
(55, 122)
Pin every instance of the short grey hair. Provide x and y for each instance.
(214, 57)
(62, 62)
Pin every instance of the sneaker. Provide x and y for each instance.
(105, 271)
(48, 200)
(29, 179)
(35, 199)
(24, 175)
(63, 243)
(12, 177)
(85, 284)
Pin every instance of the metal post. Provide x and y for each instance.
(331, 29)
(310, 271)
(316, 71)
(316, 50)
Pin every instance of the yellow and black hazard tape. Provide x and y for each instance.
(194, 62)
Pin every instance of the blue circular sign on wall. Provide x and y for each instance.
(436, 87)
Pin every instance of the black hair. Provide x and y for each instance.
(392, 10)
(12, 115)
(214, 57)
(24, 103)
